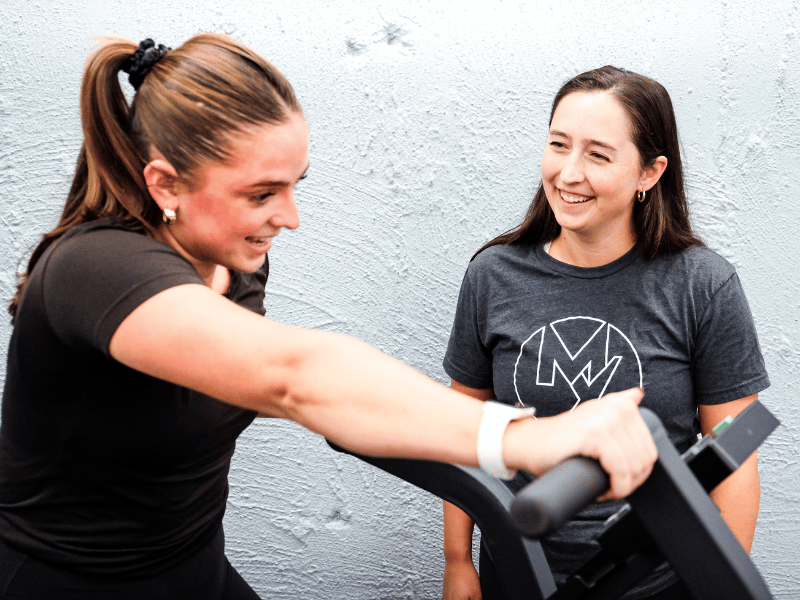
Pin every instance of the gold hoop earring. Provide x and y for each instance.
(169, 216)
(640, 195)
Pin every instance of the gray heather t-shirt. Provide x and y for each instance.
(553, 335)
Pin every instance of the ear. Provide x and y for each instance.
(162, 182)
(653, 173)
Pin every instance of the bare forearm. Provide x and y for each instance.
(460, 580)
(738, 498)
(739, 495)
(369, 402)
(335, 385)
(458, 528)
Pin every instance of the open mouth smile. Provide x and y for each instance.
(260, 242)
(573, 198)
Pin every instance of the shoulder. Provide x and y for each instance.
(502, 272)
(95, 275)
(705, 261)
(502, 258)
(103, 262)
(107, 247)
(696, 268)
(105, 233)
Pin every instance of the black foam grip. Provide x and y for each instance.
(555, 497)
(551, 500)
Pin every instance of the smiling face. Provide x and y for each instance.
(591, 170)
(230, 216)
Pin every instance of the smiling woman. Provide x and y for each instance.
(591, 173)
(140, 350)
(230, 217)
(602, 287)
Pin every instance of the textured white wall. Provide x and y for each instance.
(428, 120)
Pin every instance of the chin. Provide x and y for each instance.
(249, 265)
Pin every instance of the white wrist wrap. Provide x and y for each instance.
(496, 417)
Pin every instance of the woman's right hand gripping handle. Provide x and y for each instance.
(545, 505)
(610, 430)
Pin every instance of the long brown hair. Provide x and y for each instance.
(661, 223)
(185, 109)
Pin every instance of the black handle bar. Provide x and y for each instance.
(547, 503)
(551, 500)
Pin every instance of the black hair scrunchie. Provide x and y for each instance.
(140, 63)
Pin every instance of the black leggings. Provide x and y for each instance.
(205, 576)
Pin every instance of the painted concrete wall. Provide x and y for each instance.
(428, 121)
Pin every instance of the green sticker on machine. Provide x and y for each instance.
(722, 425)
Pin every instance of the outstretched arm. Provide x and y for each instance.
(355, 395)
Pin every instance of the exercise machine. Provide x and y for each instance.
(670, 517)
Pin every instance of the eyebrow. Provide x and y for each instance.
(266, 184)
(591, 142)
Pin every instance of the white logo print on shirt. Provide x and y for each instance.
(581, 355)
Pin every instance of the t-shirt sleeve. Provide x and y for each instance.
(92, 282)
(467, 359)
(727, 361)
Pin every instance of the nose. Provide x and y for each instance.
(287, 215)
(572, 169)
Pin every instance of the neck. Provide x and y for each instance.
(577, 251)
(215, 276)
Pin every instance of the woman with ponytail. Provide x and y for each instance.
(140, 350)
(602, 287)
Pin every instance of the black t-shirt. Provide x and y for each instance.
(104, 469)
